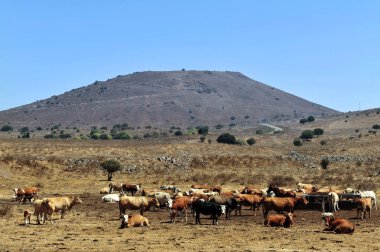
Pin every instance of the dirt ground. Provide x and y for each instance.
(94, 225)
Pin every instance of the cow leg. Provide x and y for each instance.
(142, 211)
(197, 218)
(185, 214)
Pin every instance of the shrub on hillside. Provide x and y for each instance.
(323, 142)
(376, 126)
(297, 142)
(311, 119)
(325, 163)
(303, 121)
(219, 126)
(251, 141)
(24, 130)
(6, 128)
(121, 135)
(105, 136)
(259, 132)
(226, 138)
(178, 133)
(318, 131)
(202, 130)
(307, 135)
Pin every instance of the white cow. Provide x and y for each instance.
(111, 198)
(334, 199)
(369, 194)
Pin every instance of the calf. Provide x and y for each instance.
(207, 208)
(364, 205)
(337, 225)
(179, 205)
(27, 216)
(135, 220)
(279, 220)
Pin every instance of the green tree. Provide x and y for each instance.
(376, 126)
(226, 138)
(202, 130)
(110, 166)
(6, 128)
(318, 131)
(307, 134)
(303, 121)
(251, 141)
(311, 119)
(297, 142)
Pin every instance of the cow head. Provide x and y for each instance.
(124, 220)
(77, 200)
(327, 217)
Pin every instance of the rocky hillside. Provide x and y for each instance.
(174, 98)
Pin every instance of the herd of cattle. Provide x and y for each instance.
(206, 200)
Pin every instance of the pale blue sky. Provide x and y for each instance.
(326, 51)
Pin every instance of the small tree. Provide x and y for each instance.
(297, 142)
(318, 131)
(307, 135)
(303, 121)
(6, 128)
(251, 141)
(178, 133)
(202, 139)
(202, 130)
(376, 126)
(325, 163)
(311, 119)
(111, 166)
(226, 138)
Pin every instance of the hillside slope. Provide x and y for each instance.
(179, 98)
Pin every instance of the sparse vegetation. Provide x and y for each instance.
(323, 142)
(376, 126)
(318, 132)
(251, 141)
(325, 163)
(6, 128)
(307, 135)
(226, 138)
(297, 142)
(311, 119)
(202, 130)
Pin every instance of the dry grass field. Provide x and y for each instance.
(72, 167)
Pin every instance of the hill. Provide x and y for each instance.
(173, 98)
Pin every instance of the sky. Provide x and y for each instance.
(327, 52)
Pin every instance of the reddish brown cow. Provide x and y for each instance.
(338, 225)
(179, 204)
(279, 220)
(204, 186)
(252, 200)
(281, 204)
(364, 205)
(27, 193)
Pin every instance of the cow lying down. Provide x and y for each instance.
(337, 225)
(279, 220)
(135, 220)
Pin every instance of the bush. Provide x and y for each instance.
(376, 126)
(6, 128)
(325, 163)
(303, 121)
(147, 135)
(251, 141)
(24, 130)
(297, 142)
(202, 139)
(110, 166)
(226, 138)
(259, 132)
(178, 133)
(202, 130)
(323, 142)
(219, 126)
(65, 136)
(49, 136)
(307, 135)
(318, 132)
(311, 119)
(95, 136)
(39, 128)
(105, 136)
(121, 135)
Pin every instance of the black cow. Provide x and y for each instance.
(130, 188)
(230, 203)
(280, 192)
(206, 208)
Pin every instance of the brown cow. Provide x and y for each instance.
(281, 204)
(338, 225)
(27, 216)
(58, 204)
(252, 200)
(135, 220)
(130, 188)
(280, 192)
(141, 203)
(179, 204)
(279, 220)
(364, 205)
(27, 193)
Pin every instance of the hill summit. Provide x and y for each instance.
(170, 98)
